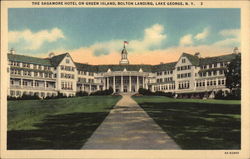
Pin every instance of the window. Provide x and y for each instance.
(40, 74)
(209, 73)
(221, 64)
(36, 83)
(215, 73)
(25, 73)
(222, 82)
(221, 72)
(25, 83)
(12, 93)
(67, 61)
(183, 60)
(12, 82)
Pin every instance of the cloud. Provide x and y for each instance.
(232, 38)
(230, 32)
(203, 35)
(153, 37)
(186, 40)
(34, 40)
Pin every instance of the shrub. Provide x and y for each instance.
(233, 95)
(24, 97)
(12, 98)
(145, 91)
(103, 93)
(148, 92)
(81, 93)
(219, 95)
(60, 95)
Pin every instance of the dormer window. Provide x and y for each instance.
(183, 60)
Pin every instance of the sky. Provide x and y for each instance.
(97, 35)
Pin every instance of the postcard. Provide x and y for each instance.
(125, 79)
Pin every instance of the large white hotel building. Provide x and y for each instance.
(190, 76)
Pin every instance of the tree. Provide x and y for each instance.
(233, 75)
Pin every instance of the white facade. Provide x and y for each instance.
(190, 76)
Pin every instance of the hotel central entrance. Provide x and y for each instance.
(125, 89)
(125, 81)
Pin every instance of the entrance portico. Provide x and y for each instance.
(125, 81)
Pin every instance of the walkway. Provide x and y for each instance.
(128, 126)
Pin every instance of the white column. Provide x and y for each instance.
(205, 84)
(114, 83)
(146, 81)
(90, 88)
(107, 82)
(217, 83)
(153, 88)
(130, 89)
(45, 84)
(121, 83)
(104, 83)
(82, 88)
(137, 83)
(21, 83)
(33, 83)
(143, 82)
(98, 87)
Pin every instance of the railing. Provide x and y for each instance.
(32, 88)
(128, 73)
(32, 77)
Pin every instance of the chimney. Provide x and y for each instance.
(52, 54)
(12, 51)
(197, 54)
(235, 50)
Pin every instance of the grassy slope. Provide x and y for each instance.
(195, 123)
(56, 123)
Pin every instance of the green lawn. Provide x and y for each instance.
(56, 123)
(196, 123)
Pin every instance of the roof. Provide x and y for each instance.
(164, 67)
(217, 59)
(56, 60)
(193, 59)
(29, 59)
(85, 67)
(104, 68)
